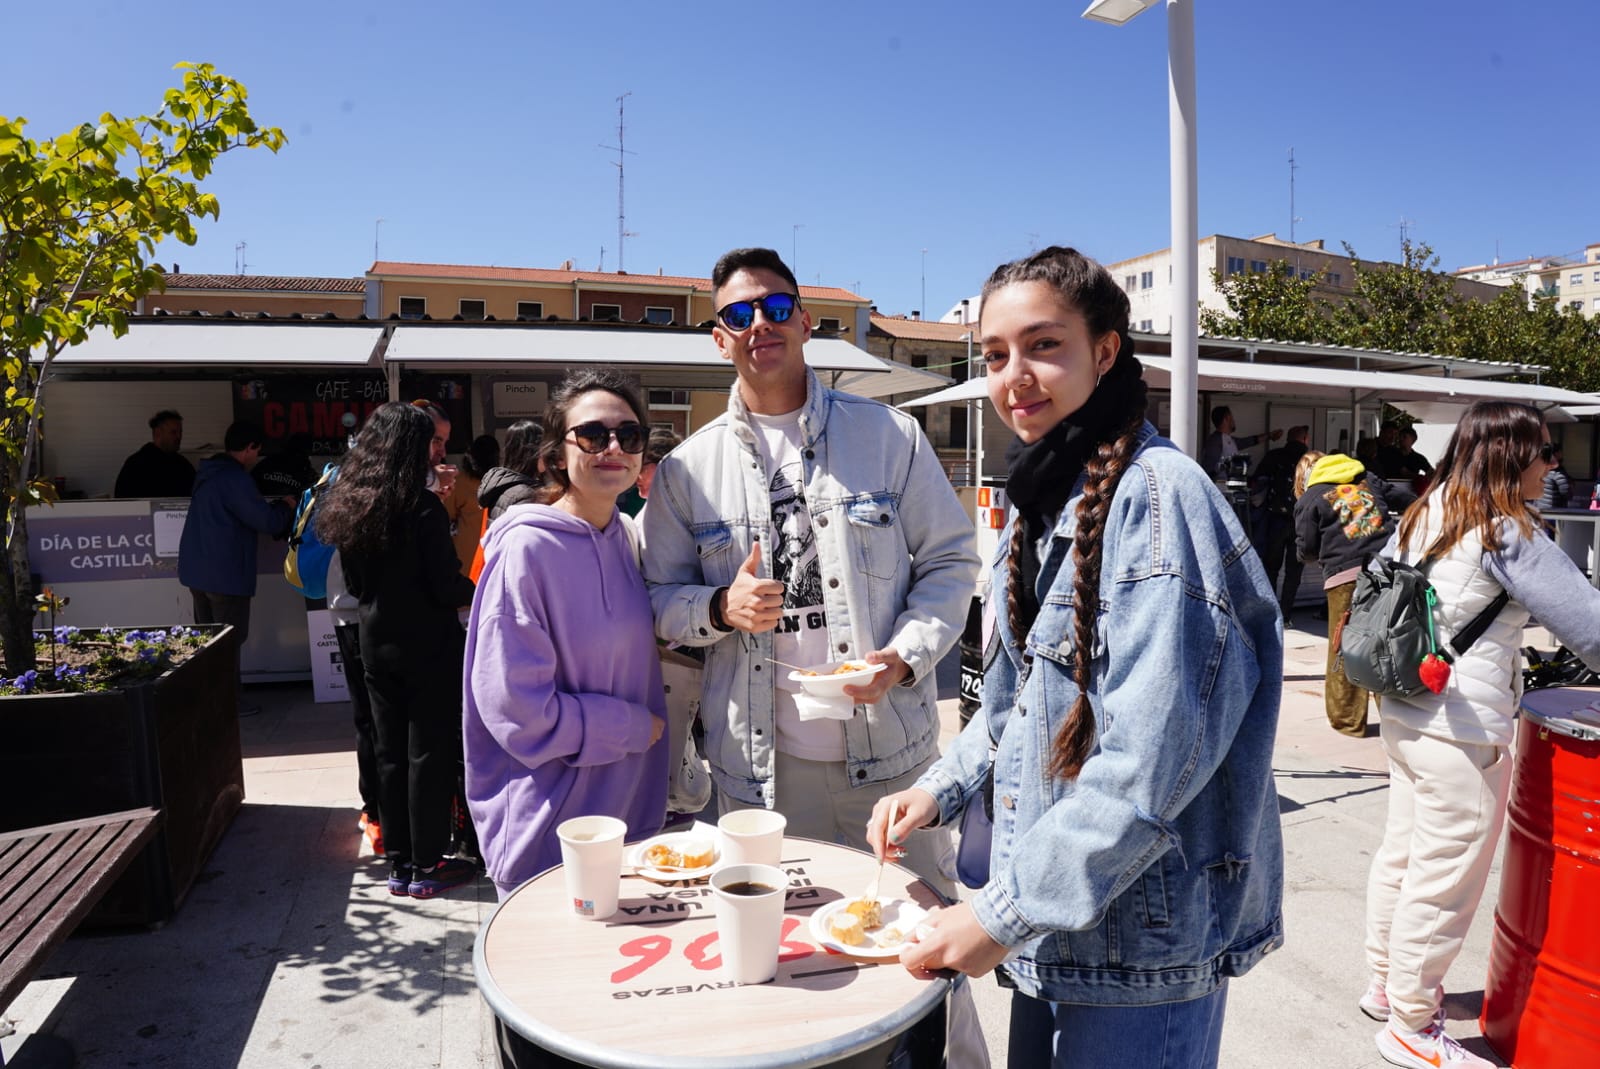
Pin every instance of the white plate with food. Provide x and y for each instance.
(676, 856)
(829, 680)
(836, 925)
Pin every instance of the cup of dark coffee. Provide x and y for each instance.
(749, 902)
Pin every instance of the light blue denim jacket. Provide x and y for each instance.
(898, 563)
(1158, 872)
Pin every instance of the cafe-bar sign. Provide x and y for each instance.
(316, 406)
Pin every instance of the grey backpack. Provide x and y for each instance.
(1388, 644)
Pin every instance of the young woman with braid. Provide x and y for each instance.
(1130, 700)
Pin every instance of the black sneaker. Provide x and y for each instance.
(400, 877)
(451, 872)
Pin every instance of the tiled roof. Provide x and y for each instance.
(274, 283)
(921, 329)
(560, 276)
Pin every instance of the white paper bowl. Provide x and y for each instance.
(827, 685)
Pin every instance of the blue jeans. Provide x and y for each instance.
(1172, 1035)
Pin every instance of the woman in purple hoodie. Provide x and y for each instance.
(564, 707)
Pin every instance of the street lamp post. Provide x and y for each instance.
(1185, 389)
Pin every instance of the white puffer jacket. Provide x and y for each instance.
(1478, 703)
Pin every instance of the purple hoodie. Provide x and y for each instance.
(562, 678)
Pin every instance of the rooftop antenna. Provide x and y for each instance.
(1293, 218)
(622, 231)
(239, 265)
(377, 228)
(1405, 226)
(602, 266)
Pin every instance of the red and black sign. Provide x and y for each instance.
(316, 406)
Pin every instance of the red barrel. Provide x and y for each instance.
(1541, 1002)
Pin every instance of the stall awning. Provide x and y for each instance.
(200, 345)
(852, 369)
(1430, 398)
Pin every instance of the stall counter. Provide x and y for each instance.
(118, 562)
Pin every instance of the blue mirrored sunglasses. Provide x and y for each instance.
(777, 307)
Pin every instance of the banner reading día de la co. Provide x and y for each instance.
(96, 548)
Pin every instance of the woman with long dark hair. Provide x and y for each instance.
(394, 544)
(1449, 765)
(564, 706)
(1130, 700)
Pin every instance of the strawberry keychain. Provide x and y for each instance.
(1434, 671)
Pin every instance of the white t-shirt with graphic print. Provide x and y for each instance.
(801, 636)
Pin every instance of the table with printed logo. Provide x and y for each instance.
(644, 990)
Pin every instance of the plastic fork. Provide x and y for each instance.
(871, 893)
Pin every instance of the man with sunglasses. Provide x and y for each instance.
(809, 526)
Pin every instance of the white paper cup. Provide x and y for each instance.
(591, 861)
(750, 837)
(749, 924)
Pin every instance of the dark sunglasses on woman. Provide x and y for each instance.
(594, 437)
(1547, 453)
(777, 307)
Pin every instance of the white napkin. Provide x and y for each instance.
(812, 707)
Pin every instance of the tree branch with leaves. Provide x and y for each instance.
(80, 217)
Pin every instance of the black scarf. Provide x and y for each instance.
(1041, 475)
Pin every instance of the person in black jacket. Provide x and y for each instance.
(1345, 515)
(517, 478)
(399, 561)
(1274, 480)
(157, 469)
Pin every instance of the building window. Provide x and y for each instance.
(1576, 279)
(1305, 274)
(661, 398)
(471, 309)
(1144, 325)
(1235, 265)
(660, 316)
(605, 313)
(1128, 282)
(413, 307)
(1147, 279)
(1258, 266)
(530, 309)
(1597, 276)
(958, 426)
(829, 323)
(919, 360)
(1334, 278)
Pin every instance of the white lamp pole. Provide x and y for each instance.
(1182, 120)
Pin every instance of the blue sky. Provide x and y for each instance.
(974, 131)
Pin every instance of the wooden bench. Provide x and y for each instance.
(51, 877)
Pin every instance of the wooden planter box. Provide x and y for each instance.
(171, 743)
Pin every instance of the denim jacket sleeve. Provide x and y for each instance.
(1184, 610)
(670, 563)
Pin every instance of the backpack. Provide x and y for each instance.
(305, 566)
(1387, 642)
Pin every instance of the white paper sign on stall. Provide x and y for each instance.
(327, 666)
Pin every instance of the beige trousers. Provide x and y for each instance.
(1447, 802)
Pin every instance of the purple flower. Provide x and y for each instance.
(25, 683)
(66, 634)
(66, 673)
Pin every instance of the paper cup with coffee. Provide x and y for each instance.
(591, 861)
(751, 836)
(749, 901)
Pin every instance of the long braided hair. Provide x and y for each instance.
(1089, 288)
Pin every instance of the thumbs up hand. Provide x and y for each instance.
(752, 603)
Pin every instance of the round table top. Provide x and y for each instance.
(644, 989)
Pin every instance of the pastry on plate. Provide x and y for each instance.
(846, 927)
(870, 910)
(696, 854)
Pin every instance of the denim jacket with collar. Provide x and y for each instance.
(896, 552)
(1158, 871)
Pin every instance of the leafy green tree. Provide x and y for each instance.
(1275, 303)
(1403, 307)
(80, 217)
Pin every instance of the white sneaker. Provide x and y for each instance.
(1374, 1002)
(1430, 1048)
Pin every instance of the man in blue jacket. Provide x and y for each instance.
(217, 554)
